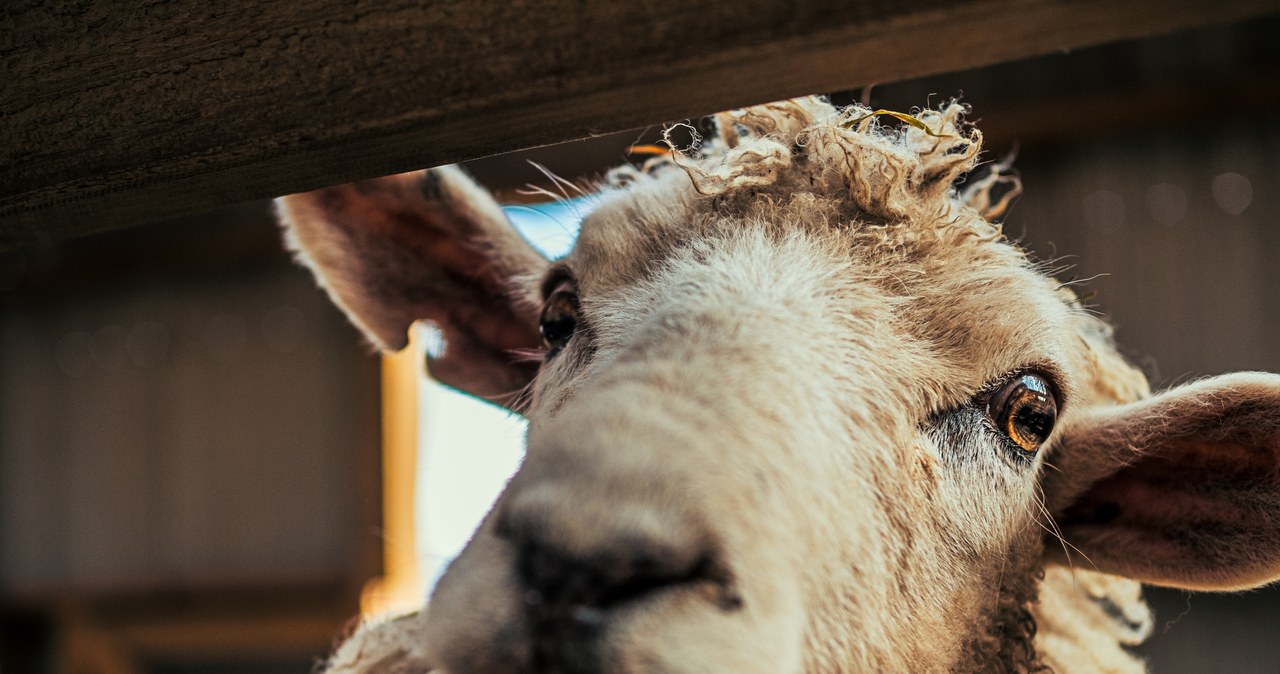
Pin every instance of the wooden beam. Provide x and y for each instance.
(114, 117)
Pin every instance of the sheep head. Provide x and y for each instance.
(799, 407)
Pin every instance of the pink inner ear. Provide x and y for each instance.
(1129, 498)
(1195, 513)
(1183, 479)
(433, 246)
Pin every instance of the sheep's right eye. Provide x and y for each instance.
(559, 319)
(1025, 410)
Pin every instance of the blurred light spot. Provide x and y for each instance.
(74, 353)
(108, 347)
(1104, 210)
(1233, 192)
(432, 339)
(148, 344)
(283, 329)
(1167, 204)
(226, 336)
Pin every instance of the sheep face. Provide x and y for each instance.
(799, 409)
(765, 444)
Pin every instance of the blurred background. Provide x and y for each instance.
(203, 468)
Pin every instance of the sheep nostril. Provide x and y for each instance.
(583, 588)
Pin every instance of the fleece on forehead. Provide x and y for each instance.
(801, 164)
(886, 175)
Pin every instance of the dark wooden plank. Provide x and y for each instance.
(117, 117)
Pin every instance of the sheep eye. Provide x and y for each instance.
(559, 319)
(1024, 410)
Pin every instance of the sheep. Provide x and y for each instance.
(796, 405)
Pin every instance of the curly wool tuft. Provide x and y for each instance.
(886, 174)
(1008, 645)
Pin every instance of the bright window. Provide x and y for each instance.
(468, 449)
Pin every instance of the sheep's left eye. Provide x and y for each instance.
(1025, 410)
(559, 320)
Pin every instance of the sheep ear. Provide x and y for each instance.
(1181, 489)
(429, 245)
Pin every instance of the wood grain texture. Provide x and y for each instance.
(115, 117)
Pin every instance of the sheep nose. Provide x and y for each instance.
(581, 587)
(570, 598)
(578, 560)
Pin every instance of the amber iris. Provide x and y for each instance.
(1025, 411)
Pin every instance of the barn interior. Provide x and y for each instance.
(203, 468)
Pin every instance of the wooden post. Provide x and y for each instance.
(400, 588)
